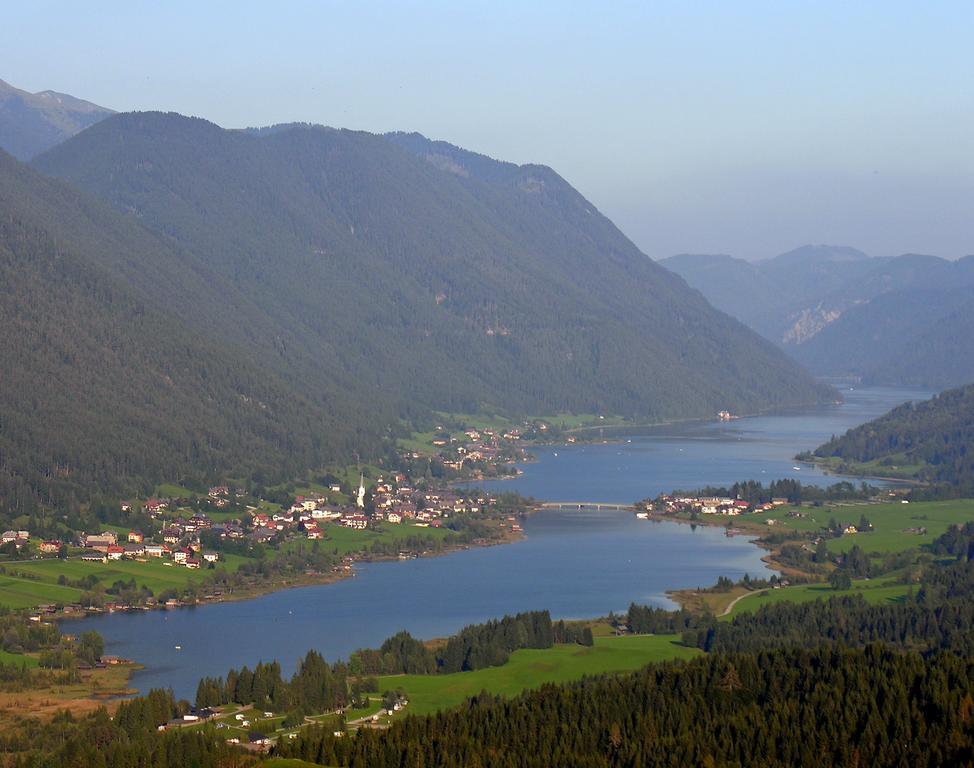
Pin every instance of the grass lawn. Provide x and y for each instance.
(25, 593)
(531, 668)
(889, 521)
(874, 591)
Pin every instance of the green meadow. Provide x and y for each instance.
(890, 522)
(349, 540)
(875, 591)
(35, 582)
(17, 659)
(532, 668)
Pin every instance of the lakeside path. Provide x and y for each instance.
(736, 600)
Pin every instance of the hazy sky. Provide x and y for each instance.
(743, 128)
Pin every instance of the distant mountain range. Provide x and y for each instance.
(258, 302)
(31, 123)
(900, 320)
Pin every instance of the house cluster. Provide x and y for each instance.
(714, 505)
(181, 549)
(396, 501)
(17, 538)
(477, 446)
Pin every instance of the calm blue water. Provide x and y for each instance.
(574, 563)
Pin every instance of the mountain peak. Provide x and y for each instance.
(31, 123)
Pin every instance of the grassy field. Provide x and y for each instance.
(34, 582)
(875, 591)
(890, 523)
(17, 659)
(173, 491)
(532, 668)
(25, 593)
(348, 540)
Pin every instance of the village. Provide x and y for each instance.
(189, 543)
(712, 505)
(178, 537)
(421, 496)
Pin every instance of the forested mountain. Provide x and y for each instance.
(888, 320)
(33, 122)
(936, 436)
(105, 387)
(261, 303)
(443, 278)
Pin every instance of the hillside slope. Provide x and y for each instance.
(106, 389)
(447, 278)
(31, 123)
(933, 440)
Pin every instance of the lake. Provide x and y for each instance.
(691, 455)
(575, 563)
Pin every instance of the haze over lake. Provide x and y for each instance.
(576, 563)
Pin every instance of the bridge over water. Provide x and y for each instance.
(596, 505)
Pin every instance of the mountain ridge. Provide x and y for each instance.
(31, 123)
(883, 319)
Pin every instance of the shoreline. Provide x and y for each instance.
(689, 420)
(823, 465)
(321, 579)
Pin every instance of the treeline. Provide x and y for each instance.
(648, 620)
(824, 707)
(474, 647)
(958, 541)
(936, 436)
(316, 686)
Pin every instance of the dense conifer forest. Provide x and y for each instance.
(107, 391)
(824, 707)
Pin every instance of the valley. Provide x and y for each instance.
(355, 411)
